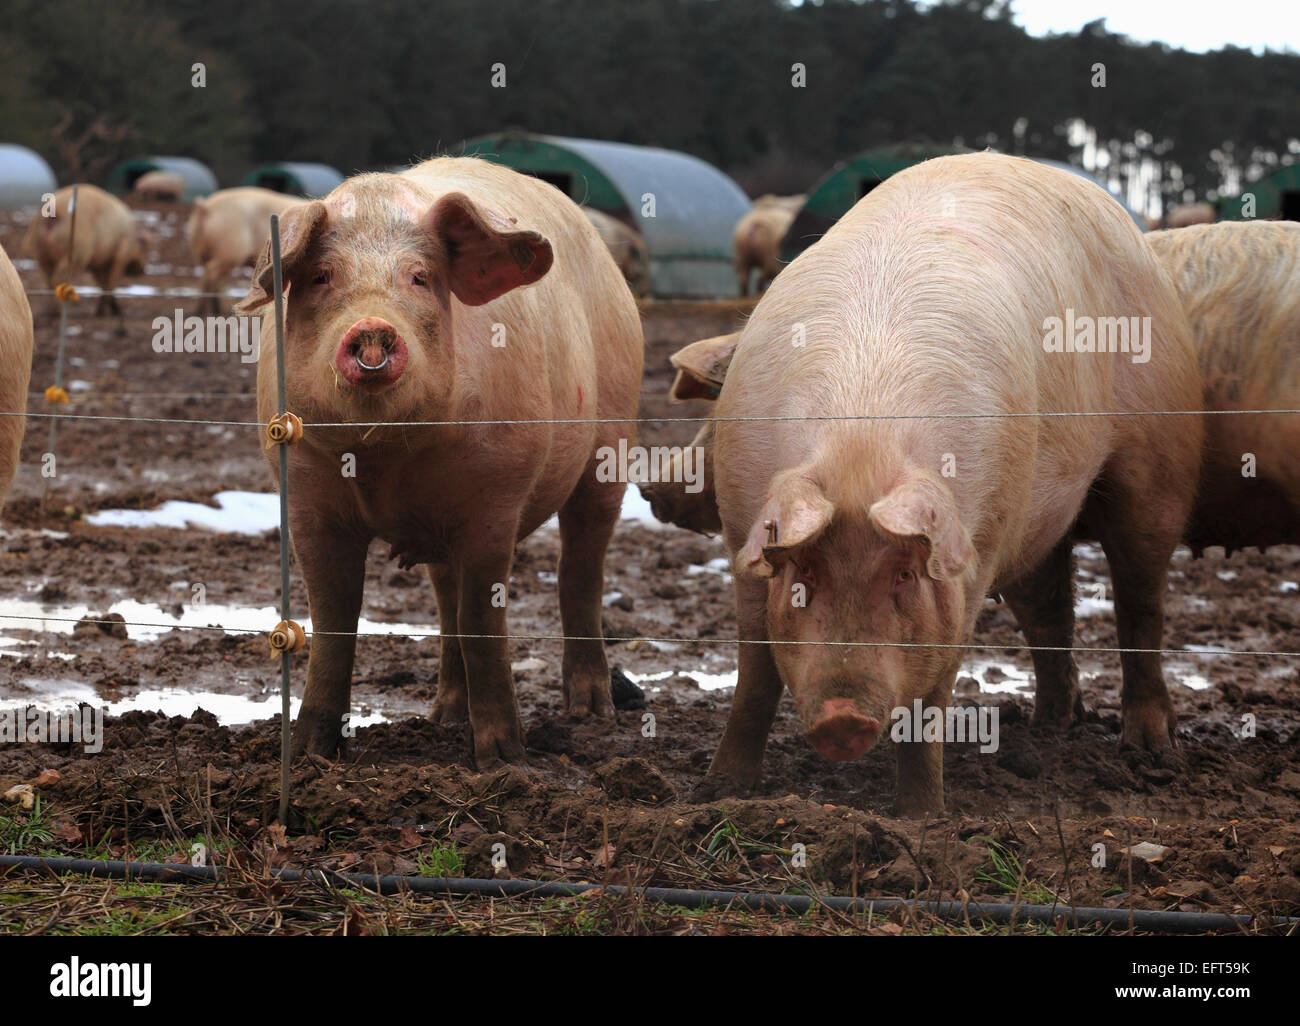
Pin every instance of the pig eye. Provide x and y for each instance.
(322, 277)
(904, 577)
(419, 280)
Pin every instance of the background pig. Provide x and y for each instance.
(1239, 283)
(160, 185)
(458, 290)
(229, 229)
(1189, 214)
(15, 368)
(932, 297)
(626, 246)
(108, 243)
(756, 240)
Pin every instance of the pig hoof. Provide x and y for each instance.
(592, 701)
(723, 785)
(495, 753)
(1057, 718)
(449, 712)
(1150, 729)
(317, 735)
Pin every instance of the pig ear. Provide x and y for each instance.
(487, 255)
(796, 514)
(702, 367)
(299, 228)
(924, 509)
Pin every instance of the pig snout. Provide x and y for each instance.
(372, 355)
(841, 732)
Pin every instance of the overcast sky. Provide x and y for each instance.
(1191, 24)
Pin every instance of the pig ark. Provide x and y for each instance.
(455, 291)
(961, 304)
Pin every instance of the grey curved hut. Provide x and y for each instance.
(295, 178)
(684, 207)
(24, 177)
(199, 180)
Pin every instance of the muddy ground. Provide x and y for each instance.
(594, 801)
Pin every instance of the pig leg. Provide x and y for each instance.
(739, 759)
(213, 272)
(451, 705)
(1043, 601)
(1138, 523)
(493, 713)
(333, 565)
(920, 765)
(586, 524)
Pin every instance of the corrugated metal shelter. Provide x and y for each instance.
(24, 177)
(199, 181)
(1277, 196)
(846, 183)
(695, 205)
(297, 179)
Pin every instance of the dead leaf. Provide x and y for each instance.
(604, 856)
(47, 778)
(278, 835)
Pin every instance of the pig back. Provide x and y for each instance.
(934, 295)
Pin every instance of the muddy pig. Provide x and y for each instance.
(701, 370)
(627, 247)
(869, 522)
(107, 242)
(160, 185)
(1239, 283)
(457, 291)
(229, 229)
(756, 240)
(15, 369)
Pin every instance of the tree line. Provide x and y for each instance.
(771, 93)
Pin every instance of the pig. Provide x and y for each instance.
(229, 229)
(160, 185)
(627, 247)
(1239, 283)
(1190, 214)
(863, 549)
(16, 361)
(701, 370)
(107, 242)
(465, 293)
(756, 240)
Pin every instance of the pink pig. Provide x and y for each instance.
(456, 291)
(864, 548)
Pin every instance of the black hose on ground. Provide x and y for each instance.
(1156, 922)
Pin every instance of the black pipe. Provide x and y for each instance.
(1141, 919)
